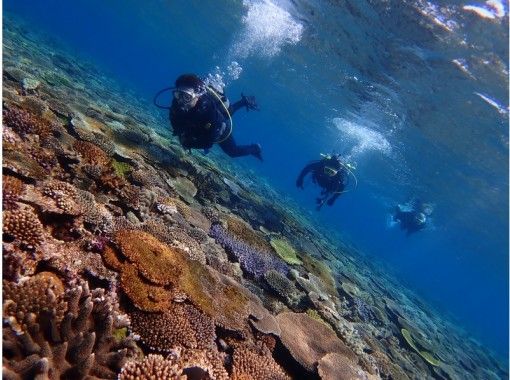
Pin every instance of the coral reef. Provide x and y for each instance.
(180, 325)
(24, 226)
(151, 367)
(12, 188)
(309, 340)
(80, 345)
(285, 251)
(251, 363)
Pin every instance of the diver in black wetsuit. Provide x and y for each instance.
(330, 174)
(201, 117)
(414, 218)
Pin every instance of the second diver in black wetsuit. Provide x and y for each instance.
(201, 116)
(330, 174)
(413, 217)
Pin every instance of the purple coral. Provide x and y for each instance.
(253, 261)
(362, 309)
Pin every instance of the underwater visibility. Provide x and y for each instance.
(255, 189)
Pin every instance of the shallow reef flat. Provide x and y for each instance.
(126, 258)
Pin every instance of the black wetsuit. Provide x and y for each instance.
(331, 184)
(207, 123)
(409, 220)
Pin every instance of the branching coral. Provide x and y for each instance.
(40, 294)
(181, 325)
(150, 368)
(242, 231)
(206, 363)
(24, 123)
(282, 286)
(24, 226)
(251, 363)
(252, 261)
(81, 345)
(91, 153)
(64, 195)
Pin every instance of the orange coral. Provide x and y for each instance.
(209, 361)
(143, 294)
(156, 261)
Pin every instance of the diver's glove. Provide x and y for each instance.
(250, 102)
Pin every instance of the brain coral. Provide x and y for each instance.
(285, 251)
(181, 325)
(309, 340)
(24, 226)
(150, 368)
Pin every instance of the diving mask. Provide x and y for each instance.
(328, 170)
(184, 96)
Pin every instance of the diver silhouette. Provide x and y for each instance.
(201, 116)
(412, 217)
(331, 174)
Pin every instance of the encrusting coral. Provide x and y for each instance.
(82, 345)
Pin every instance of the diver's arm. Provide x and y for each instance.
(246, 101)
(307, 169)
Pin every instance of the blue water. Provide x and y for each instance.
(414, 92)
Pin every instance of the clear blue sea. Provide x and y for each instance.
(413, 92)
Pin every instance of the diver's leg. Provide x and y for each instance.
(230, 147)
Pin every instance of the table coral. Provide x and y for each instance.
(309, 340)
(285, 251)
(334, 366)
(24, 226)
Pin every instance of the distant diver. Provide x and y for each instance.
(201, 116)
(413, 217)
(331, 174)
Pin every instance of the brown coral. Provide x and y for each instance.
(24, 123)
(207, 362)
(12, 188)
(182, 325)
(150, 368)
(144, 295)
(82, 347)
(251, 363)
(309, 340)
(156, 261)
(24, 226)
(40, 294)
(64, 195)
(92, 154)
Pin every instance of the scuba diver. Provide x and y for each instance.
(413, 216)
(331, 174)
(201, 116)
